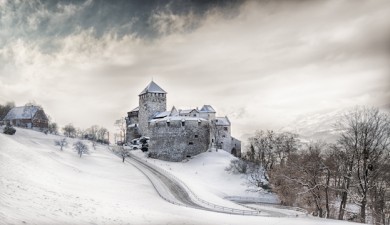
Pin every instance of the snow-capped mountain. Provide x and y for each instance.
(316, 126)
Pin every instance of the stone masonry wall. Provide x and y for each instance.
(150, 104)
(176, 142)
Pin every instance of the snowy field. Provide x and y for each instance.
(39, 184)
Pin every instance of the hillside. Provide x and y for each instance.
(39, 184)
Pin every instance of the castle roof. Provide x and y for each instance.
(222, 121)
(22, 112)
(153, 88)
(187, 111)
(181, 118)
(207, 108)
(136, 109)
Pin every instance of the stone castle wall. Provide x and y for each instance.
(172, 141)
(150, 104)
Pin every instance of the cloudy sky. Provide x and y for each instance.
(262, 63)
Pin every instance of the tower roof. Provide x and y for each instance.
(207, 108)
(153, 88)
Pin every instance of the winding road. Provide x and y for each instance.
(173, 190)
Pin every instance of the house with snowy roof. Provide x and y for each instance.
(27, 116)
(176, 134)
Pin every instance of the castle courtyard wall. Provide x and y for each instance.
(171, 141)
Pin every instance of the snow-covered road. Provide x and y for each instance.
(175, 191)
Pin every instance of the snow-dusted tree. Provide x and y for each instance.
(304, 180)
(53, 128)
(123, 152)
(62, 143)
(121, 124)
(69, 130)
(365, 139)
(4, 109)
(80, 148)
(101, 134)
(237, 166)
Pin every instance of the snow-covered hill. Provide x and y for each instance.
(39, 184)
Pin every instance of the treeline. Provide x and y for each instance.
(327, 178)
(4, 109)
(94, 133)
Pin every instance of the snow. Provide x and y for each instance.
(205, 174)
(153, 88)
(207, 108)
(39, 184)
(181, 118)
(21, 112)
(222, 121)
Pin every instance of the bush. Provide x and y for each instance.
(9, 130)
(237, 166)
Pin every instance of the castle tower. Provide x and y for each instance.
(152, 99)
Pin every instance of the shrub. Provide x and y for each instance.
(9, 130)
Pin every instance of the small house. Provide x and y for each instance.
(28, 117)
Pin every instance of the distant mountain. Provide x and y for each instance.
(317, 126)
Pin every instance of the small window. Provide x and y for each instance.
(183, 123)
(225, 128)
(223, 136)
(194, 115)
(191, 143)
(212, 140)
(196, 136)
(168, 123)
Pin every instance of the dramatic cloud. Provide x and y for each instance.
(262, 63)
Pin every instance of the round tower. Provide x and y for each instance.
(152, 99)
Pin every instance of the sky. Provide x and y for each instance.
(261, 63)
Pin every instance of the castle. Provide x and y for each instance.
(177, 134)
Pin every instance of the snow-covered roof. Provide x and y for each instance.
(207, 108)
(22, 112)
(187, 111)
(162, 114)
(153, 88)
(222, 121)
(181, 118)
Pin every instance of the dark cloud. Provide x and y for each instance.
(263, 63)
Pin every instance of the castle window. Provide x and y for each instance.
(191, 143)
(182, 123)
(196, 136)
(225, 128)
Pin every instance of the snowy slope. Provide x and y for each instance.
(206, 175)
(41, 185)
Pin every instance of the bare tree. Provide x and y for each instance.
(365, 139)
(237, 166)
(123, 152)
(81, 148)
(4, 109)
(101, 134)
(121, 124)
(69, 130)
(62, 143)
(53, 128)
